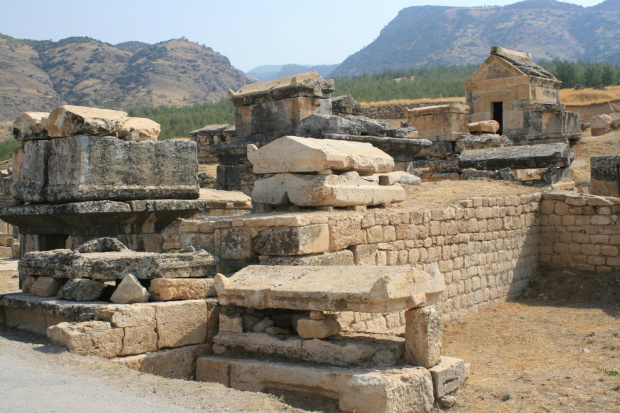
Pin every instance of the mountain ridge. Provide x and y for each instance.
(433, 35)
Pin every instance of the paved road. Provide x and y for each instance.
(37, 376)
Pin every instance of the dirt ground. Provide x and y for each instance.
(588, 146)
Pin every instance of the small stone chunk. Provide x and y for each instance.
(317, 315)
(309, 328)
(447, 402)
(230, 323)
(45, 287)
(130, 291)
(262, 325)
(28, 126)
(249, 321)
(447, 376)
(81, 290)
(105, 244)
(485, 126)
(139, 130)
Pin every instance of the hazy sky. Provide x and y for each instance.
(249, 32)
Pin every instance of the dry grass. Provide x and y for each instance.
(589, 96)
(412, 101)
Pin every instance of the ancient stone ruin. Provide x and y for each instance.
(325, 278)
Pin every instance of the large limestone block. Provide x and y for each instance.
(168, 289)
(130, 291)
(335, 288)
(30, 171)
(357, 390)
(92, 338)
(45, 287)
(295, 154)
(600, 124)
(309, 239)
(126, 315)
(85, 168)
(181, 323)
(344, 257)
(139, 340)
(448, 375)
(308, 328)
(177, 363)
(28, 126)
(71, 120)
(343, 190)
(484, 126)
(423, 337)
(139, 130)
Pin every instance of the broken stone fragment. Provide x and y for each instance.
(484, 126)
(71, 120)
(81, 290)
(295, 154)
(139, 130)
(396, 177)
(518, 157)
(28, 126)
(105, 244)
(262, 325)
(348, 189)
(447, 376)
(27, 283)
(600, 124)
(230, 323)
(277, 331)
(92, 338)
(45, 287)
(309, 328)
(130, 291)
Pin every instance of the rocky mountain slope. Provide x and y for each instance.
(270, 72)
(40, 75)
(433, 35)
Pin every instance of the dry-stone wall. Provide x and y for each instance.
(487, 248)
(580, 231)
(394, 111)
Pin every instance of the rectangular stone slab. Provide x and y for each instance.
(348, 189)
(115, 265)
(378, 390)
(295, 154)
(335, 288)
(518, 157)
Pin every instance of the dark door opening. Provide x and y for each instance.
(498, 115)
(53, 242)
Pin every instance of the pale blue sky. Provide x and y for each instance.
(249, 32)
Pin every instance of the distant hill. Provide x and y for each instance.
(434, 35)
(268, 72)
(40, 75)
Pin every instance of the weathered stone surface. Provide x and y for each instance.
(122, 316)
(483, 126)
(347, 189)
(295, 154)
(346, 231)
(105, 244)
(84, 168)
(167, 289)
(357, 288)
(308, 328)
(28, 126)
(70, 311)
(309, 239)
(344, 257)
(81, 290)
(139, 130)
(45, 287)
(423, 337)
(181, 323)
(605, 175)
(139, 340)
(27, 283)
(115, 265)
(30, 171)
(447, 376)
(31, 320)
(91, 338)
(481, 142)
(177, 363)
(398, 148)
(521, 157)
(236, 244)
(130, 291)
(230, 323)
(360, 391)
(345, 105)
(262, 325)
(71, 120)
(317, 125)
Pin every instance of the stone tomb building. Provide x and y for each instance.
(521, 96)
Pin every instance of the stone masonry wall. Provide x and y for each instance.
(580, 231)
(487, 248)
(394, 111)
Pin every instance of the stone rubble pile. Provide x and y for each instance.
(287, 317)
(322, 173)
